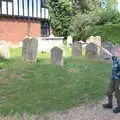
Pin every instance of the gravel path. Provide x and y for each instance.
(93, 111)
(87, 112)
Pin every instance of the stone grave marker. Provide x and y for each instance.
(69, 41)
(30, 49)
(91, 50)
(76, 49)
(4, 50)
(57, 56)
(96, 40)
(110, 47)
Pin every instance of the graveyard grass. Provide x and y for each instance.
(37, 88)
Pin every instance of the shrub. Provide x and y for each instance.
(108, 32)
(82, 23)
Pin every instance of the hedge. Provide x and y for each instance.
(108, 32)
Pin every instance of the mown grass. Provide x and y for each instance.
(41, 87)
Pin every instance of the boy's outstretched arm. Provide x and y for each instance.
(105, 50)
(108, 52)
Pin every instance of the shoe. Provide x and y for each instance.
(116, 110)
(107, 106)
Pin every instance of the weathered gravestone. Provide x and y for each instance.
(109, 46)
(96, 40)
(57, 56)
(30, 49)
(76, 49)
(4, 50)
(91, 50)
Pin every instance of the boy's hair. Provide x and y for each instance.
(115, 49)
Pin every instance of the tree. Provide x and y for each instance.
(60, 16)
(109, 4)
(86, 5)
(85, 20)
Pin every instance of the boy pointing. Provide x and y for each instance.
(114, 85)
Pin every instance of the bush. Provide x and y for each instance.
(108, 32)
(82, 23)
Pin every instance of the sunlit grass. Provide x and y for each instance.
(42, 87)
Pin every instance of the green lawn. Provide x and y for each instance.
(36, 88)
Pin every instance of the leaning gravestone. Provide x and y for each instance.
(91, 50)
(30, 49)
(57, 56)
(4, 50)
(109, 46)
(76, 49)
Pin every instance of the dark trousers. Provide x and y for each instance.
(114, 86)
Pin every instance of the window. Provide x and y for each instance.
(45, 28)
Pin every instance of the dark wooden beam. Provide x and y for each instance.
(32, 8)
(28, 7)
(44, 13)
(23, 7)
(25, 17)
(0, 7)
(42, 3)
(41, 8)
(12, 8)
(18, 6)
(7, 0)
(7, 6)
(36, 8)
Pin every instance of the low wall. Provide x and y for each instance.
(45, 44)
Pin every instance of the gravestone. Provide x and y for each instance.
(91, 50)
(30, 49)
(57, 56)
(109, 46)
(4, 50)
(69, 41)
(76, 49)
(96, 40)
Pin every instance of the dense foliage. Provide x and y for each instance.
(78, 17)
(104, 13)
(61, 15)
(108, 32)
(86, 5)
(81, 23)
(62, 11)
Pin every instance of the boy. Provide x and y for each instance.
(114, 85)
